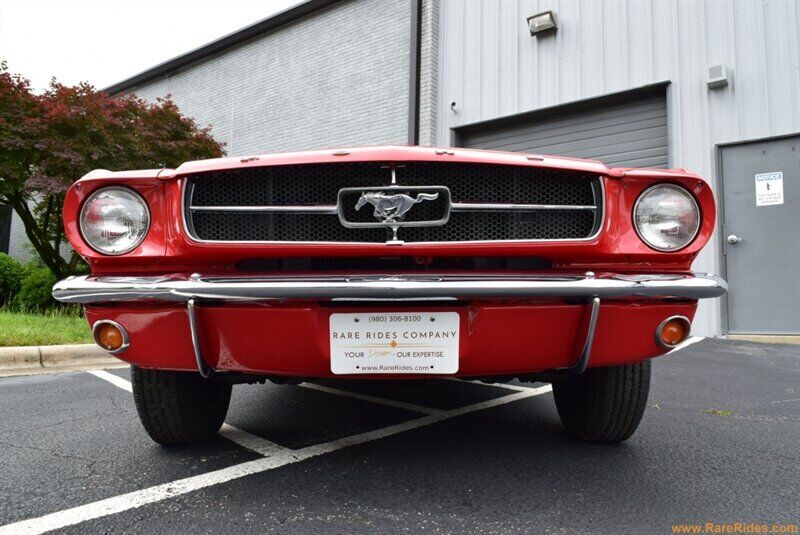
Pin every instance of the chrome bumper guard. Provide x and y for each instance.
(93, 290)
(587, 287)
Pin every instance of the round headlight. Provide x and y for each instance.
(114, 220)
(666, 217)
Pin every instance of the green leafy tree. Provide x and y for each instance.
(49, 140)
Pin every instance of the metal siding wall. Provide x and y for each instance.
(18, 245)
(629, 134)
(491, 66)
(335, 78)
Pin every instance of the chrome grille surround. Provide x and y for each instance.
(297, 203)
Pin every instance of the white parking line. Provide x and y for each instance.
(327, 447)
(687, 343)
(372, 399)
(515, 388)
(267, 448)
(277, 457)
(243, 438)
(115, 380)
(252, 442)
(132, 500)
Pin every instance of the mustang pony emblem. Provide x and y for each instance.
(391, 207)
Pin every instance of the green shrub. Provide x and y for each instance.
(11, 275)
(35, 293)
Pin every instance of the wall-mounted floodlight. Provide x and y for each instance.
(542, 23)
(717, 76)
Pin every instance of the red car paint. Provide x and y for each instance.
(498, 337)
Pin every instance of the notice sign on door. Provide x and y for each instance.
(769, 189)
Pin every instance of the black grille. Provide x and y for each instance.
(501, 183)
(286, 185)
(319, 184)
(487, 226)
(237, 226)
(389, 264)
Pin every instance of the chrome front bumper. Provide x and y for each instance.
(179, 288)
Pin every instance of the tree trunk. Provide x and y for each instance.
(50, 256)
(73, 262)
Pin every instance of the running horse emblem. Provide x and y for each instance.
(390, 208)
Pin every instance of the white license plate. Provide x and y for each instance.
(394, 342)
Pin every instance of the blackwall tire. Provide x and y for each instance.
(603, 404)
(179, 408)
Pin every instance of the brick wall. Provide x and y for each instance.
(338, 77)
(429, 72)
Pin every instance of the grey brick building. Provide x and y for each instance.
(320, 74)
(336, 76)
(705, 85)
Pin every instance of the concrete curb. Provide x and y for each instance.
(791, 339)
(23, 359)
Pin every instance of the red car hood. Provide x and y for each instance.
(391, 153)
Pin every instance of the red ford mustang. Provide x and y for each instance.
(389, 262)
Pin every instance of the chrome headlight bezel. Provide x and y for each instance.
(680, 190)
(125, 191)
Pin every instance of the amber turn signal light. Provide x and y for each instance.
(672, 331)
(111, 336)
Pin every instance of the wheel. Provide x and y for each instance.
(179, 408)
(603, 404)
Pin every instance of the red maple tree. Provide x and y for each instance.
(49, 140)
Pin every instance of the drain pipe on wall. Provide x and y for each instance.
(413, 72)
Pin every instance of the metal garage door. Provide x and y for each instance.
(631, 133)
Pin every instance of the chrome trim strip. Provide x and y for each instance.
(583, 363)
(318, 209)
(126, 340)
(601, 217)
(331, 209)
(583, 360)
(92, 289)
(470, 206)
(202, 367)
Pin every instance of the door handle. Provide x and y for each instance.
(733, 239)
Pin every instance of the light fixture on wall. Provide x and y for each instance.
(718, 76)
(542, 23)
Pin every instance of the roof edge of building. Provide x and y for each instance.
(263, 26)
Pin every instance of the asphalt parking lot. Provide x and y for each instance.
(720, 442)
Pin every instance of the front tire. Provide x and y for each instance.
(603, 404)
(179, 408)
